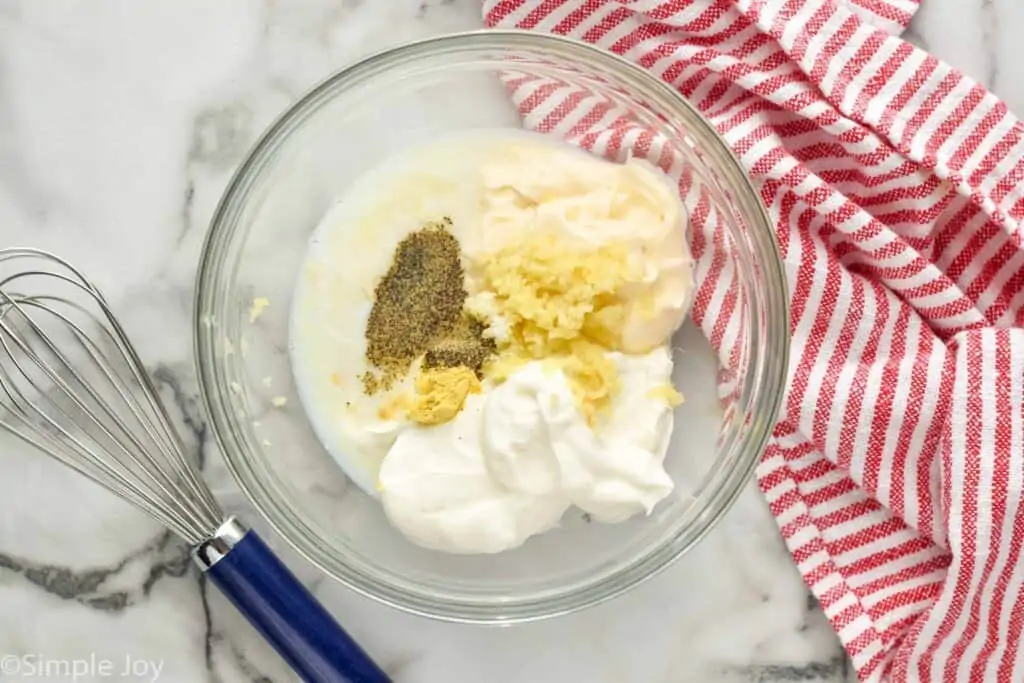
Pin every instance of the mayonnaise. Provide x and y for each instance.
(530, 187)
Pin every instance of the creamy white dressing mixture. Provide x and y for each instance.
(519, 453)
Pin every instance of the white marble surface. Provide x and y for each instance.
(120, 123)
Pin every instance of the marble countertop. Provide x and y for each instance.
(120, 124)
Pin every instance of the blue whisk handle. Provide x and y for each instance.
(288, 616)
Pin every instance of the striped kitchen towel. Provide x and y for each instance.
(897, 189)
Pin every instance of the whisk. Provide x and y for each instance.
(72, 385)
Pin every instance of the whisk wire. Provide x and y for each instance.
(140, 498)
(176, 453)
(111, 473)
(94, 411)
(169, 446)
(44, 440)
(156, 476)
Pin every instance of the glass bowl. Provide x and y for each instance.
(409, 94)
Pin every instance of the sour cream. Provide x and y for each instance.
(518, 456)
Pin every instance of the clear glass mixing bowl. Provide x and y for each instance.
(255, 248)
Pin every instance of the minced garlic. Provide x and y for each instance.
(593, 378)
(551, 294)
(561, 305)
(667, 393)
(258, 305)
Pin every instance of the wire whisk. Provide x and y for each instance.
(73, 386)
(63, 401)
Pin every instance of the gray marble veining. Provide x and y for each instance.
(120, 124)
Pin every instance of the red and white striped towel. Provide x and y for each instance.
(897, 189)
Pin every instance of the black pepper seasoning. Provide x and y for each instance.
(466, 345)
(418, 309)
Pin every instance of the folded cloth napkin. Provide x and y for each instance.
(897, 189)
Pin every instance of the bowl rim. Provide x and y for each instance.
(624, 578)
